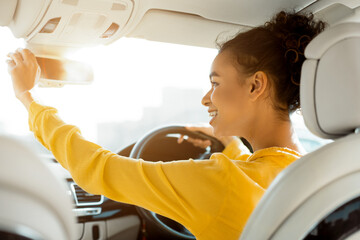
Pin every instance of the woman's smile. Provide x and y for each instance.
(213, 114)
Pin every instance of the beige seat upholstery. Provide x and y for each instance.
(33, 202)
(322, 181)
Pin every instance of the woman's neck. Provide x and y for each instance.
(272, 131)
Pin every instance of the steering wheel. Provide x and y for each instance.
(165, 225)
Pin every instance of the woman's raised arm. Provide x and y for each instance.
(25, 72)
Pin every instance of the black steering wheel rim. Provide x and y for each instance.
(136, 152)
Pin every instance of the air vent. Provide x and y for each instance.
(83, 198)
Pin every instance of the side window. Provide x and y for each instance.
(309, 141)
(339, 224)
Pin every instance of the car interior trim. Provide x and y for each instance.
(80, 212)
(72, 186)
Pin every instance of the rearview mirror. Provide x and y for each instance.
(55, 72)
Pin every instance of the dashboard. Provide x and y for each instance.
(97, 216)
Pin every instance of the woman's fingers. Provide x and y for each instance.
(27, 55)
(199, 143)
(180, 139)
(16, 57)
(22, 56)
(195, 141)
(207, 129)
(11, 64)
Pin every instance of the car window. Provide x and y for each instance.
(309, 141)
(139, 85)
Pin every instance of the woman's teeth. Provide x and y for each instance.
(213, 114)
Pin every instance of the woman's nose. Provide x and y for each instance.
(206, 99)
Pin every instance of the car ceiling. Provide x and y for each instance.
(80, 23)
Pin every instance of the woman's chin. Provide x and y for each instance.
(217, 132)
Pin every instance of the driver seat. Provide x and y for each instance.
(33, 202)
(318, 196)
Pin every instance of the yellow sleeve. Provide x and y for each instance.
(212, 198)
(236, 150)
(157, 186)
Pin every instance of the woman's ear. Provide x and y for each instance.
(258, 84)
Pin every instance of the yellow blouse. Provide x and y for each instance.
(212, 198)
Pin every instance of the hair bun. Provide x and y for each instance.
(295, 31)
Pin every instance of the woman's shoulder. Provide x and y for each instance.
(278, 154)
(279, 157)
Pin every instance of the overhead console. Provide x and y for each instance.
(81, 22)
(69, 23)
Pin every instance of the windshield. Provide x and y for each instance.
(138, 85)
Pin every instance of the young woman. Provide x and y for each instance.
(254, 87)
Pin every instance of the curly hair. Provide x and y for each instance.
(277, 48)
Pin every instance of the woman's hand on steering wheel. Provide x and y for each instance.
(206, 129)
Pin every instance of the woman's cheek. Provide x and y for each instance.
(221, 97)
(229, 96)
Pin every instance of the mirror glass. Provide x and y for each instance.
(56, 72)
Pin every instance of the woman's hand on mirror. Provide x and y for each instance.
(24, 71)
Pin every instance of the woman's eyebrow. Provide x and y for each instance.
(213, 74)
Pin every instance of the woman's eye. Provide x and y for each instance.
(214, 84)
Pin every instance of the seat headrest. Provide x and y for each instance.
(330, 82)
